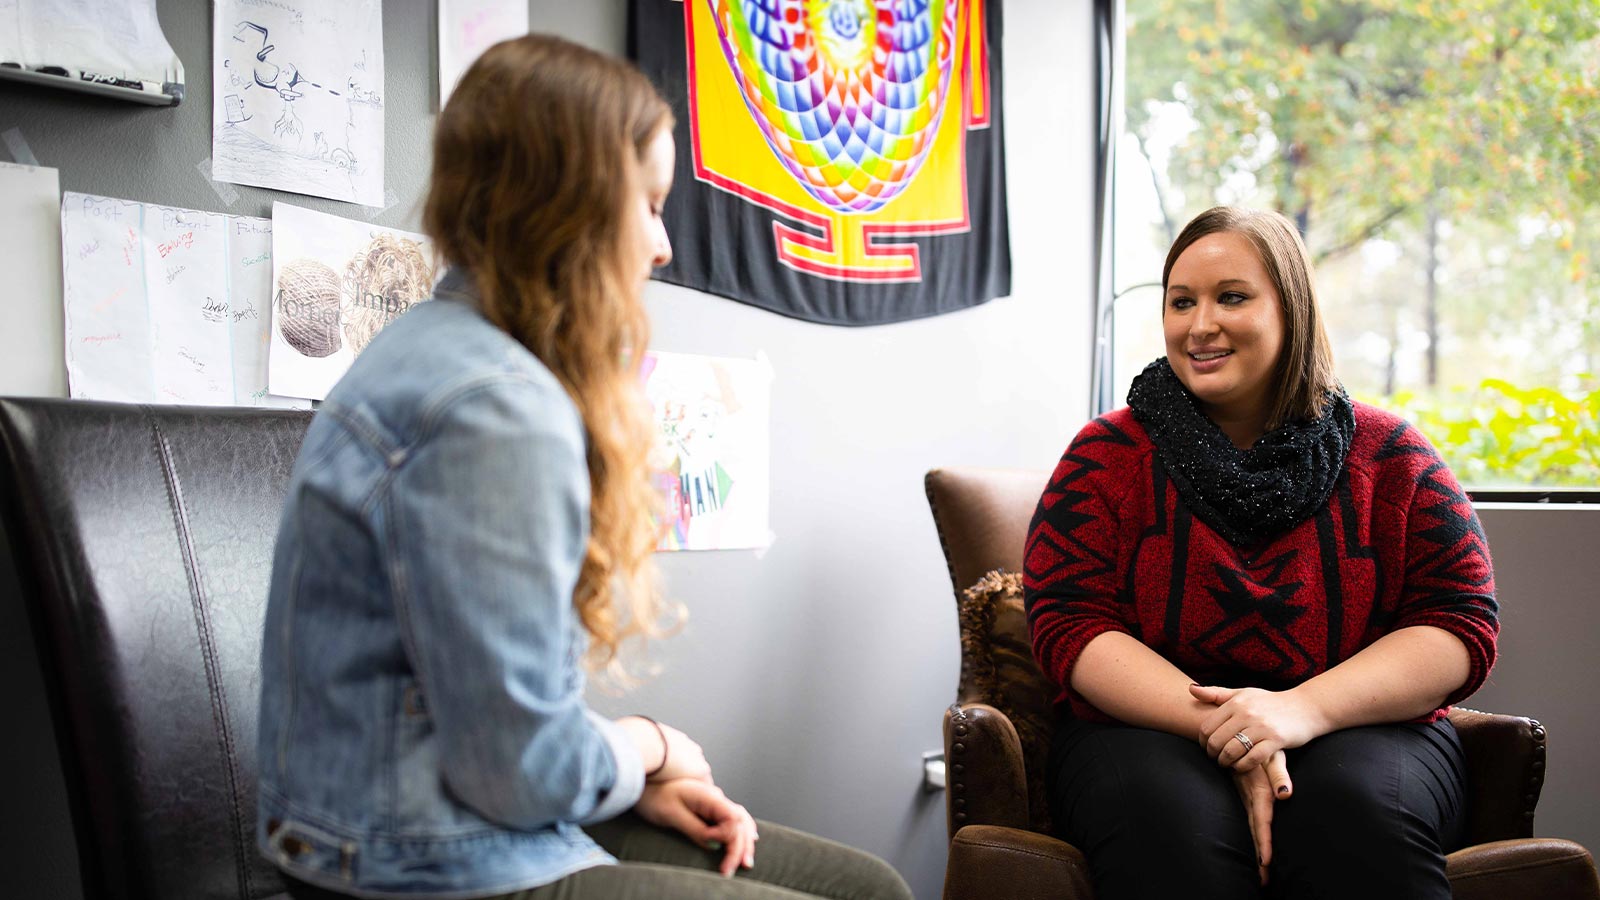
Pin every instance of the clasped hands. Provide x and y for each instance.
(680, 794)
(1274, 721)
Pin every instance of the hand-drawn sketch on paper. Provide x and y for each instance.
(297, 97)
(712, 454)
(469, 27)
(336, 284)
(165, 305)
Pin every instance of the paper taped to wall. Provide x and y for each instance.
(713, 448)
(297, 97)
(469, 27)
(31, 364)
(337, 283)
(165, 305)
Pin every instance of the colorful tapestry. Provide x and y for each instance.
(840, 162)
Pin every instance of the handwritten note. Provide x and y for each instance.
(469, 27)
(298, 97)
(164, 305)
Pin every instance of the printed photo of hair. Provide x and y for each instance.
(381, 282)
(308, 307)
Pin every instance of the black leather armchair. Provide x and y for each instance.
(141, 539)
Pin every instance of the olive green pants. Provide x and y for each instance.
(658, 864)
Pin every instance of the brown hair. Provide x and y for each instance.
(535, 158)
(1304, 374)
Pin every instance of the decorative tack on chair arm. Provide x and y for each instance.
(986, 784)
(1505, 773)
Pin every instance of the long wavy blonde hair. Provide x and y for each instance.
(535, 158)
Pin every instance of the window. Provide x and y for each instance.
(1443, 162)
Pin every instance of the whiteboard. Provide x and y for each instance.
(113, 47)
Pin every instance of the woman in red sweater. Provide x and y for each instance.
(1258, 599)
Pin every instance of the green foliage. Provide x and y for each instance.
(1351, 114)
(1500, 435)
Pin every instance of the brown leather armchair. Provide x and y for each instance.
(996, 736)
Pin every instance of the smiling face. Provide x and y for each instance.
(1224, 330)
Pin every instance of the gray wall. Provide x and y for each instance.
(121, 149)
(1547, 576)
(815, 674)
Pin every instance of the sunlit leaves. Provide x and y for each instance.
(1372, 102)
(1500, 435)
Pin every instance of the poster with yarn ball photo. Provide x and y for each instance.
(336, 284)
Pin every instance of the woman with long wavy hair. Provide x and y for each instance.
(470, 522)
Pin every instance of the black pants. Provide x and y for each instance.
(1373, 812)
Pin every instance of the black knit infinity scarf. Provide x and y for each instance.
(1246, 496)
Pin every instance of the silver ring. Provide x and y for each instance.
(1248, 744)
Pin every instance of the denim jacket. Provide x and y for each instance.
(423, 730)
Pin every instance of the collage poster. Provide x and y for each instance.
(336, 283)
(712, 457)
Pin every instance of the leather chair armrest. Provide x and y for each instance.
(987, 861)
(984, 775)
(1528, 867)
(1505, 773)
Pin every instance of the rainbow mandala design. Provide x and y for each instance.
(849, 93)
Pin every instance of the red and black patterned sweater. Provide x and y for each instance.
(1113, 547)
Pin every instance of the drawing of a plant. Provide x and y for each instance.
(288, 124)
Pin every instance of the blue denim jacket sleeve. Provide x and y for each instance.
(488, 520)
